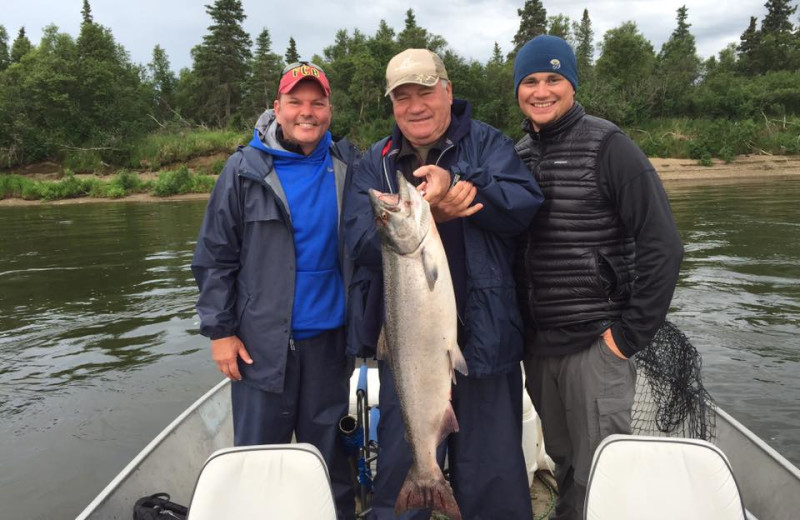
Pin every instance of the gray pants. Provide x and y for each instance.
(581, 398)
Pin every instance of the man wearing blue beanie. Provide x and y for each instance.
(601, 260)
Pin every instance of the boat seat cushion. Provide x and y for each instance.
(286, 481)
(638, 477)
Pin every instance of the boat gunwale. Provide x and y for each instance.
(759, 442)
(147, 450)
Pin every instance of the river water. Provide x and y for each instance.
(99, 347)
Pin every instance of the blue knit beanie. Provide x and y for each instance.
(546, 53)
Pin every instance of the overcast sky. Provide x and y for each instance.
(470, 26)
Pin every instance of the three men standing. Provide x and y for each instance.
(595, 274)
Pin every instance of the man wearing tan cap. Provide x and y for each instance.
(272, 280)
(481, 195)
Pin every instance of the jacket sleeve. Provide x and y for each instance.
(629, 180)
(506, 187)
(216, 258)
(362, 242)
(362, 245)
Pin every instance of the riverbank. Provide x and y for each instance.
(744, 167)
(674, 173)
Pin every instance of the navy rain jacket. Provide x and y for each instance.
(244, 261)
(510, 197)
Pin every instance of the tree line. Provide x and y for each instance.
(84, 94)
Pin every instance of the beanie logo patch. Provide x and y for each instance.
(555, 63)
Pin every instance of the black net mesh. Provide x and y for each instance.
(671, 400)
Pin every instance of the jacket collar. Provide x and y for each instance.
(566, 122)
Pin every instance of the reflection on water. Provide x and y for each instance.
(739, 300)
(99, 347)
(86, 291)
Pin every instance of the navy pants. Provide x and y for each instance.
(315, 396)
(487, 466)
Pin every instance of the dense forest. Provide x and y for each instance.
(83, 103)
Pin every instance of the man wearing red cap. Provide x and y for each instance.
(272, 279)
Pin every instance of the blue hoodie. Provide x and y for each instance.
(310, 188)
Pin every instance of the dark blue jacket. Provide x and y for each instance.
(244, 261)
(510, 197)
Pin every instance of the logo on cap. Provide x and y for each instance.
(305, 70)
(555, 63)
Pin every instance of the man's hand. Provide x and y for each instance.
(456, 203)
(612, 345)
(436, 183)
(225, 352)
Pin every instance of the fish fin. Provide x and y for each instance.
(457, 362)
(427, 492)
(382, 348)
(449, 423)
(431, 271)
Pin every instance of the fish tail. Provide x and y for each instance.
(432, 492)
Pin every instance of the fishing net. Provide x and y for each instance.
(671, 400)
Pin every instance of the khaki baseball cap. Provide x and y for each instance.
(419, 66)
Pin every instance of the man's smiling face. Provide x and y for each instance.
(544, 97)
(304, 114)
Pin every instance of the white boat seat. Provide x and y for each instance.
(655, 478)
(278, 481)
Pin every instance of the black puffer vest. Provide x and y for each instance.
(579, 262)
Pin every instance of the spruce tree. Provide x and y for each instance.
(532, 23)
(86, 12)
(20, 47)
(678, 65)
(292, 56)
(265, 70)
(221, 64)
(584, 47)
(415, 37)
(778, 17)
(778, 43)
(749, 47)
(4, 56)
(163, 82)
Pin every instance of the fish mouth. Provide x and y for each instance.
(383, 204)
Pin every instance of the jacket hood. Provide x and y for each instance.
(264, 133)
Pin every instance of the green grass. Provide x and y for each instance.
(159, 149)
(124, 183)
(702, 139)
(14, 186)
(180, 181)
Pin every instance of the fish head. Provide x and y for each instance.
(403, 218)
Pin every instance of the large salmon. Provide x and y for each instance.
(420, 339)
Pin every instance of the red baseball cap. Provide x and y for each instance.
(299, 71)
